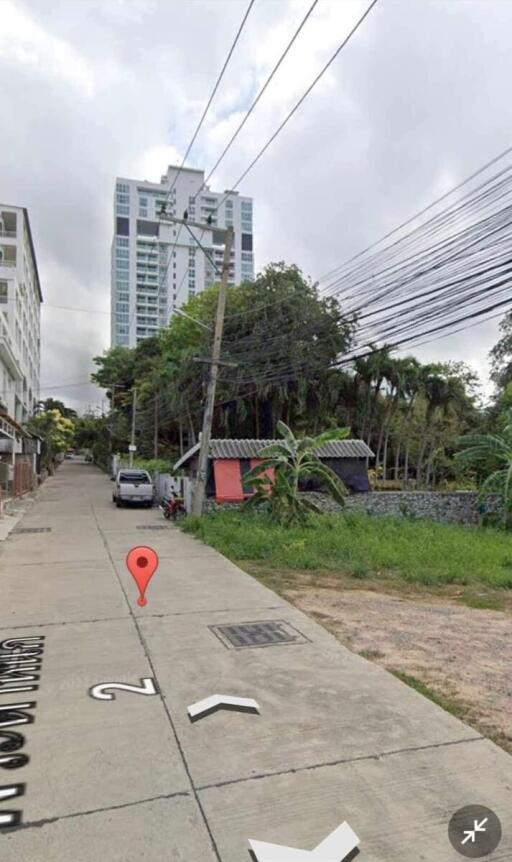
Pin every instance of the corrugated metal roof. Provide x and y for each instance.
(225, 448)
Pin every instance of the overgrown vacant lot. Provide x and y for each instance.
(416, 551)
(432, 603)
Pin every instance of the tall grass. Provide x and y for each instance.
(357, 544)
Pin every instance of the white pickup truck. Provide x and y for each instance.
(133, 486)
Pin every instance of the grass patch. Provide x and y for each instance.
(448, 704)
(362, 547)
(485, 603)
(371, 654)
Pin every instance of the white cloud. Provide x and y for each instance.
(25, 43)
(416, 101)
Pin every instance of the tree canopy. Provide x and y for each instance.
(281, 351)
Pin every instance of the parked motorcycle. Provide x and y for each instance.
(173, 507)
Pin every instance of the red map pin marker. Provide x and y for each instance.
(142, 564)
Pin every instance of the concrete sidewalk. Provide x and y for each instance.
(337, 738)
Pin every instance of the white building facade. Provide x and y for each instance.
(20, 315)
(157, 265)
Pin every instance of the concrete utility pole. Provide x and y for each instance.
(200, 486)
(134, 413)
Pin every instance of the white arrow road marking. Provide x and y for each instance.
(335, 848)
(221, 701)
(100, 692)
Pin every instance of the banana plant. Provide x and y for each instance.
(276, 479)
(491, 454)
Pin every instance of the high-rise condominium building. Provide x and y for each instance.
(157, 264)
(20, 315)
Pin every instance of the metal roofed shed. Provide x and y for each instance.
(230, 460)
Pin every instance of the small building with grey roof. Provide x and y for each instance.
(230, 460)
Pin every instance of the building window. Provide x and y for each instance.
(122, 187)
(4, 291)
(147, 228)
(123, 227)
(247, 242)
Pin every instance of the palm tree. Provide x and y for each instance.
(410, 390)
(277, 478)
(441, 392)
(491, 454)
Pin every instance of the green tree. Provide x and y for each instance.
(54, 404)
(501, 354)
(292, 460)
(282, 340)
(491, 456)
(57, 433)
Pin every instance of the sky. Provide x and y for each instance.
(93, 89)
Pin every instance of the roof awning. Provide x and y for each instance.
(251, 448)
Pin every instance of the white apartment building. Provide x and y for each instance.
(156, 264)
(20, 315)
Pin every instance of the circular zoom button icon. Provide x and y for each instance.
(474, 831)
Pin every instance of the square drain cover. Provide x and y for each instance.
(33, 530)
(259, 634)
(152, 527)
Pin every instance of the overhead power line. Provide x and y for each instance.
(299, 103)
(191, 144)
(258, 97)
(212, 96)
(417, 215)
(72, 308)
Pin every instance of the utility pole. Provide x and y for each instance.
(200, 486)
(134, 413)
(155, 428)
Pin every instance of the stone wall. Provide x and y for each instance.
(455, 507)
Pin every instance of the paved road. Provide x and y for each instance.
(132, 778)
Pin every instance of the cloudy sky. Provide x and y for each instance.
(91, 89)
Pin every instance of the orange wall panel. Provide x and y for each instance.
(228, 480)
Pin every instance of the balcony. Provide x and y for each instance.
(8, 255)
(7, 352)
(8, 224)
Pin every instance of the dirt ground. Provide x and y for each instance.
(463, 654)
